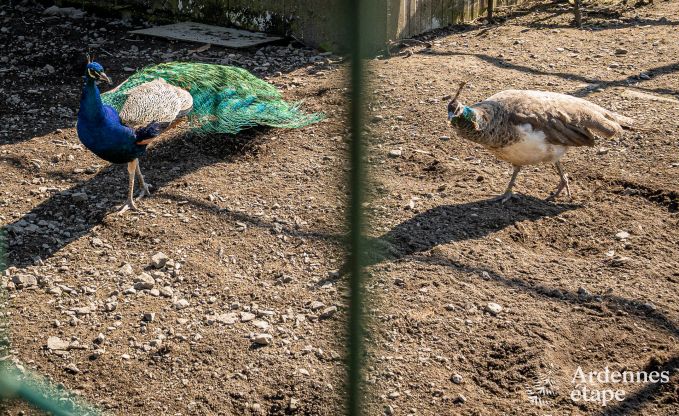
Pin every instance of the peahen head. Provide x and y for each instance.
(95, 71)
(459, 115)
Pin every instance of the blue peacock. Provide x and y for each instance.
(119, 124)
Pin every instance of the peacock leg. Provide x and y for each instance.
(562, 184)
(144, 186)
(508, 192)
(131, 168)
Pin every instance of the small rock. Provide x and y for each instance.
(395, 153)
(247, 316)
(24, 280)
(388, 410)
(159, 260)
(328, 312)
(56, 343)
(493, 308)
(622, 235)
(621, 51)
(304, 371)
(262, 339)
(181, 304)
(459, 399)
(316, 305)
(71, 368)
(394, 395)
(126, 270)
(149, 316)
(144, 281)
(456, 378)
(166, 291)
(79, 197)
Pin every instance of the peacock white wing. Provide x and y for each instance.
(155, 101)
(565, 120)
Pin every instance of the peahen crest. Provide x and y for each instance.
(226, 99)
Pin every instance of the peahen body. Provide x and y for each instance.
(525, 127)
(119, 124)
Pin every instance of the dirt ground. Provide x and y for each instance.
(253, 225)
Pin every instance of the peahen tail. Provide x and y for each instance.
(226, 99)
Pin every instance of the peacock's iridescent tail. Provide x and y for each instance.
(226, 99)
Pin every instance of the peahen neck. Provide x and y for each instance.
(91, 107)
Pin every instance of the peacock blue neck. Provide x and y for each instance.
(91, 107)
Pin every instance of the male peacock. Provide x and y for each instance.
(118, 125)
(526, 127)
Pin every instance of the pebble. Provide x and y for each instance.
(328, 312)
(149, 316)
(181, 304)
(159, 260)
(56, 343)
(262, 339)
(622, 235)
(395, 153)
(166, 291)
(144, 281)
(316, 305)
(456, 378)
(247, 316)
(394, 395)
(493, 308)
(459, 399)
(24, 280)
(71, 368)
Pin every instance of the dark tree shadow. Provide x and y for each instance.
(600, 84)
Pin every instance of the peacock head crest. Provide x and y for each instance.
(95, 71)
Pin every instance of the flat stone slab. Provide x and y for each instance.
(214, 35)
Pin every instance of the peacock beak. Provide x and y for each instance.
(103, 77)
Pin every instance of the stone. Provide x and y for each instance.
(126, 270)
(395, 153)
(71, 368)
(459, 399)
(79, 197)
(262, 339)
(144, 281)
(181, 304)
(316, 305)
(394, 395)
(56, 343)
(223, 318)
(456, 378)
(247, 316)
(622, 235)
(24, 280)
(159, 260)
(149, 316)
(166, 291)
(328, 312)
(493, 308)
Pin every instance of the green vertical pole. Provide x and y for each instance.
(356, 249)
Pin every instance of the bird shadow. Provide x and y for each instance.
(453, 223)
(70, 214)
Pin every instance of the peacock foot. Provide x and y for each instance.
(145, 191)
(503, 198)
(129, 205)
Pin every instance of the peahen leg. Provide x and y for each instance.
(144, 186)
(562, 184)
(131, 169)
(508, 192)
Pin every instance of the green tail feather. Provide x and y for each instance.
(226, 99)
